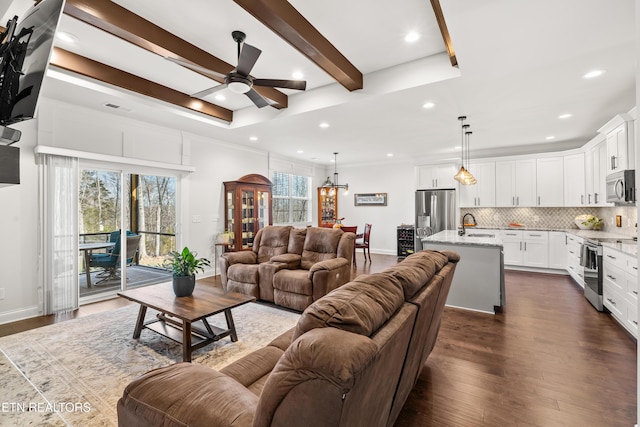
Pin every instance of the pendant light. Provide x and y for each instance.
(332, 187)
(463, 176)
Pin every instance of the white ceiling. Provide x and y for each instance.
(520, 66)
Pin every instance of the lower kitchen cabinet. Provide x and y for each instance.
(620, 288)
(557, 258)
(526, 248)
(574, 245)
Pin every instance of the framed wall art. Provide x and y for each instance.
(370, 199)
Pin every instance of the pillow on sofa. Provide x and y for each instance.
(360, 307)
(320, 244)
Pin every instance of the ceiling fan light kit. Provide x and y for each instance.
(463, 176)
(239, 80)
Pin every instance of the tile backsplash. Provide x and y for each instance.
(560, 218)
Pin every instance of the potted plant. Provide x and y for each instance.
(184, 266)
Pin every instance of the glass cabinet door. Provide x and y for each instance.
(249, 226)
(230, 225)
(263, 208)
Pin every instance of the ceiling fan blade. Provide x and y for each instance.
(195, 67)
(208, 91)
(285, 84)
(257, 99)
(247, 60)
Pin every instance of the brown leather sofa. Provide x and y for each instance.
(351, 360)
(291, 267)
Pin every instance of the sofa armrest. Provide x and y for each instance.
(328, 264)
(186, 394)
(291, 260)
(241, 257)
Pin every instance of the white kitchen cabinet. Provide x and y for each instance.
(512, 247)
(557, 257)
(575, 180)
(516, 183)
(483, 193)
(595, 161)
(575, 270)
(618, 149)
(525, 248)
(437, 176)
(620, 287)
(549, 181)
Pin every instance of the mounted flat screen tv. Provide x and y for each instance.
(25, 51)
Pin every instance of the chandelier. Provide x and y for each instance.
(463, 176)
(330, 187)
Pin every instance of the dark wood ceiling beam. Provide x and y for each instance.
(89, 68)
(120, 22)
(283, 19)
(437, 10)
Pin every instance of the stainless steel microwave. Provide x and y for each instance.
(621, 187)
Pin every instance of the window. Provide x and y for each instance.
(291, 198)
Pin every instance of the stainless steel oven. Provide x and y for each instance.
(591, 260)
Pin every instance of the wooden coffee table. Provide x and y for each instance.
(178, 314)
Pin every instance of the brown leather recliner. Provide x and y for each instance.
(291, 267)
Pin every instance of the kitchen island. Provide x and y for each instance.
(478, 283)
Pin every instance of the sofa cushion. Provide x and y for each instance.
(361, 306)
(244, 273)
(274, 240)
(320, 244)
(296, 240)
(416, 270)
(295, 281)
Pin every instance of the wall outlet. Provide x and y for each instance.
(1, 293)
(196, 218)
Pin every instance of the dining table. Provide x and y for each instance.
(88, 249)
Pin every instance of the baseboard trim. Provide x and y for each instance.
(22, 314)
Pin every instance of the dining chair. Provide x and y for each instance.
(110, 262)
(354, 230)
(363, 242)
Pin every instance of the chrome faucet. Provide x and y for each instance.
(462, 231)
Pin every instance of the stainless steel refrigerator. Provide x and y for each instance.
(435, 211)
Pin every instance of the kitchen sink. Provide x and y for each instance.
(480, 235)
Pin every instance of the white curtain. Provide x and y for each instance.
(58, 249)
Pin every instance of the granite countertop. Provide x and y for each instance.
(452, 237)
(626, 248)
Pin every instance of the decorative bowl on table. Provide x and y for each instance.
(588, 222)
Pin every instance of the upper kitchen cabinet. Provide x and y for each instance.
(483, 193)
(516, 183)
(620, 151)
(595, 165)
(550, 181)
(574, 180)
(437, 176)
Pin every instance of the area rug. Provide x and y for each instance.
(75, 371)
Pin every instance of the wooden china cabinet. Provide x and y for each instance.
(247, 209)
(327, 207)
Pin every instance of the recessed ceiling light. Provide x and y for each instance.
(565, 116)
(592, 74)
(389, 154)
(220, 97)
(550, 137)
(411, 37)
(300, 151)
(66, 37)
(428, 105)
(297, 75)
(324, 125)
(253, 138)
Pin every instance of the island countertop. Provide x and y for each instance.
(473, 237)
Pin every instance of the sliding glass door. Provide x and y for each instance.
(126, 229)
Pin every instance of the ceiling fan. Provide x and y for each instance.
(239, 80)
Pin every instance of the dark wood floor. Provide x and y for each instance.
(549, 360)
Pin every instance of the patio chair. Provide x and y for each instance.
(110, 262)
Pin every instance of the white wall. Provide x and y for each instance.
(395, 179)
